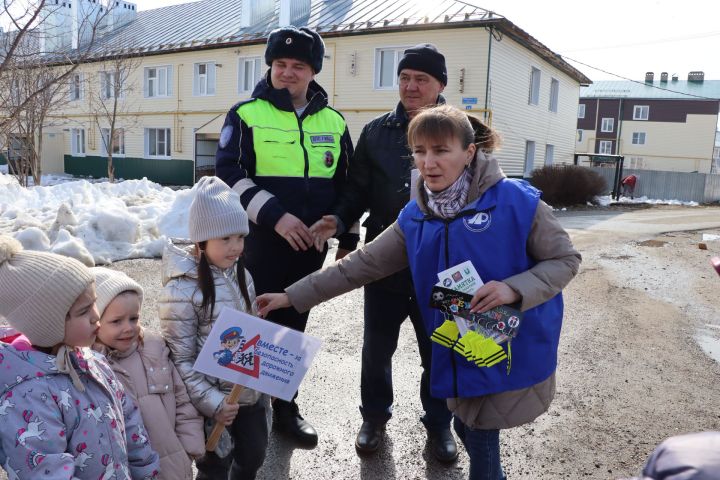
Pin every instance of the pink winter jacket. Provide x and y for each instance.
(173, 424)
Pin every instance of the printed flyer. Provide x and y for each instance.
(258, 354)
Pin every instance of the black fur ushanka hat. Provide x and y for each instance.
(299, 43)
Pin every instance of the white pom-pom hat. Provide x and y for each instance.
(37, 290)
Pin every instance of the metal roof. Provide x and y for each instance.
(213, 22)
(216, 23)
(678, 89)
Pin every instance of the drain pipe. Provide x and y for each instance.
(487, 77)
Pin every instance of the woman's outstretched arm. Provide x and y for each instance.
(382, 257)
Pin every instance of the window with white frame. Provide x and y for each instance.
(638, 138)
(534, 97)
(581, 110)
(579, 135)
(605, 147)
(386, 63)
(18, 148)
(554, 93)
(204, 79)
(118, 143)
(641, 112)
(549, 154)
(158, 81)
(76, 83)
(637, 162)
(529, 158)
(608, 124)
(110, 85)
(77, 141)
(157, 142)
(249, 73)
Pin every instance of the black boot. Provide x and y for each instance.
(442, 445)
(369, 437)
(288, 420)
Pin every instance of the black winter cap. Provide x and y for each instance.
(299, 43)
(425, 58)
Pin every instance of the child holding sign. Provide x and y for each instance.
(141, 362)
(199, 279)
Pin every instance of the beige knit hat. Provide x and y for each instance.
(111, 283)
(216, 211)
(37, 290)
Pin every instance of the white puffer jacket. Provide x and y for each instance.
(186, 328)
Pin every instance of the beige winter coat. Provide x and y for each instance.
(185, 326)
(174, 426)
(548, 244)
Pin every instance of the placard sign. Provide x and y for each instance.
(256, 353)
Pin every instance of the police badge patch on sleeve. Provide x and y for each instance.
(225, 136)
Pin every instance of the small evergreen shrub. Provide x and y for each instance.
(567, 185)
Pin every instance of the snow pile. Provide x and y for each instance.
(652, 201)
(97, 223)
(606, 200)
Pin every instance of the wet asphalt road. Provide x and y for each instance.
(329, 396)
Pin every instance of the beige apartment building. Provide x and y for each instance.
(192, 62)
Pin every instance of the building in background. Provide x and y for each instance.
(661, 124)
(195, 60)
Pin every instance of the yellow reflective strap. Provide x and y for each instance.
(442, 341)
(509, 353)
(446, 334)
(459, 347)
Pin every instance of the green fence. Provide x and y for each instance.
(165, 172)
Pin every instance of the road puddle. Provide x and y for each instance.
(709, 340)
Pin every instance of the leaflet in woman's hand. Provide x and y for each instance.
(462, 277)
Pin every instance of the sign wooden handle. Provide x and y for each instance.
(232, 398)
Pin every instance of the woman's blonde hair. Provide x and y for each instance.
(443, 121)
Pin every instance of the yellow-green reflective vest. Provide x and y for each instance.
(286, 146)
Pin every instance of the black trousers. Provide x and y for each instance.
(274, 266)
(385, 311)
(249, 432)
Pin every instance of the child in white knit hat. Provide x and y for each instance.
(199, 278)
(63, 412)
(141, 362)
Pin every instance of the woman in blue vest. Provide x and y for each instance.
(465, 209)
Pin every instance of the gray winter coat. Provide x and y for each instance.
(51, 430)
(186, 328)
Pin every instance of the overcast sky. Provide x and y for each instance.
(624, 37)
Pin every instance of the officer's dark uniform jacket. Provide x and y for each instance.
(379, 180)
(281, 163)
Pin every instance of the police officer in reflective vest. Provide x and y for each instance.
(286, 153)
(380, 182)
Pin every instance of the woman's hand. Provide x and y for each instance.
(491, 295)
(323, 230)
(226, 413)
(267, 302)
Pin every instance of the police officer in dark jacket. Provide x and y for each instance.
(379, 181)
(286, 153)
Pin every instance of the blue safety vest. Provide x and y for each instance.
(492, 232)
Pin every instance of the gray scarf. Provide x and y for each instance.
(447, 203)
